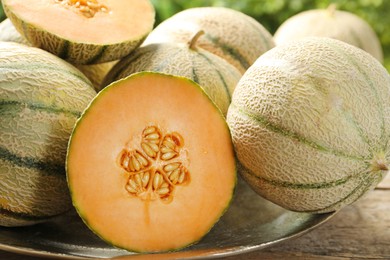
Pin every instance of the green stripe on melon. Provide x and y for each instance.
(75, 52)
(41, 97)
(309, 124)
(95, 72)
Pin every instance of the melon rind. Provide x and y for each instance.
(230, 34)
(309, 124)
(336, 24)
(216, 76)
(94, 72)
(41, 98)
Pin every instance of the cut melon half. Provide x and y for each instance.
(80, 31)
(150, 163)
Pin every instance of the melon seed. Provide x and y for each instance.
(151, 169)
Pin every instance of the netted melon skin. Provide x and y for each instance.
(41, 98)
(309, 125)
(230, 34)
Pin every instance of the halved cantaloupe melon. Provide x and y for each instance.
(158, 169)
(80, 31)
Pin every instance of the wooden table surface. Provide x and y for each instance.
(358, 231)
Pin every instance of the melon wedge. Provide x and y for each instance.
(158, 169)
(80, 31)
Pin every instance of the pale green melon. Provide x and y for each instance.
(310, 125)
(216, 76)
(41, 96)
(337, 24)
(230, 34)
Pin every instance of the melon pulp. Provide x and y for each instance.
(83, 32)
(310, 125)
(41, 96)
(158, 169)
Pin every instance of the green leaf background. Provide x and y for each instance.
(272, 13)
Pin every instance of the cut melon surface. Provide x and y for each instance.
(150, 163)
(83, 32)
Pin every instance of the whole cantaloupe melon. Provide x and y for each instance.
(216, 76)
(310, 125)
(337, 24)
(41, 96)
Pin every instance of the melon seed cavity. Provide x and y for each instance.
(157, 167)
(87, 8)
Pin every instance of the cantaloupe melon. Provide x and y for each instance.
(216, 76)
(235, 36)
(80, 31)
(333, 23)
(158, 170)
(41, 96)
(310, 125)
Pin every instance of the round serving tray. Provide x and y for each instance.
(251, 223)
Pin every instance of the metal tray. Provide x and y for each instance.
(251, 223)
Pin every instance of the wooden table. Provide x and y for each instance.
(359, 231)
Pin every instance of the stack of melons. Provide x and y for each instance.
(176, 107)
(148, 143)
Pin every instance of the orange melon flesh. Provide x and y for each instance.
(122, 19)
(114, 121)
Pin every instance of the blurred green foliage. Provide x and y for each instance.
(272, 13)
(2, 15)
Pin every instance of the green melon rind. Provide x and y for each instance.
(85, 113)
(235, 54)
(94, 72)
(36, 122)
(286, 189)
(82, 53)
(182, 25)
